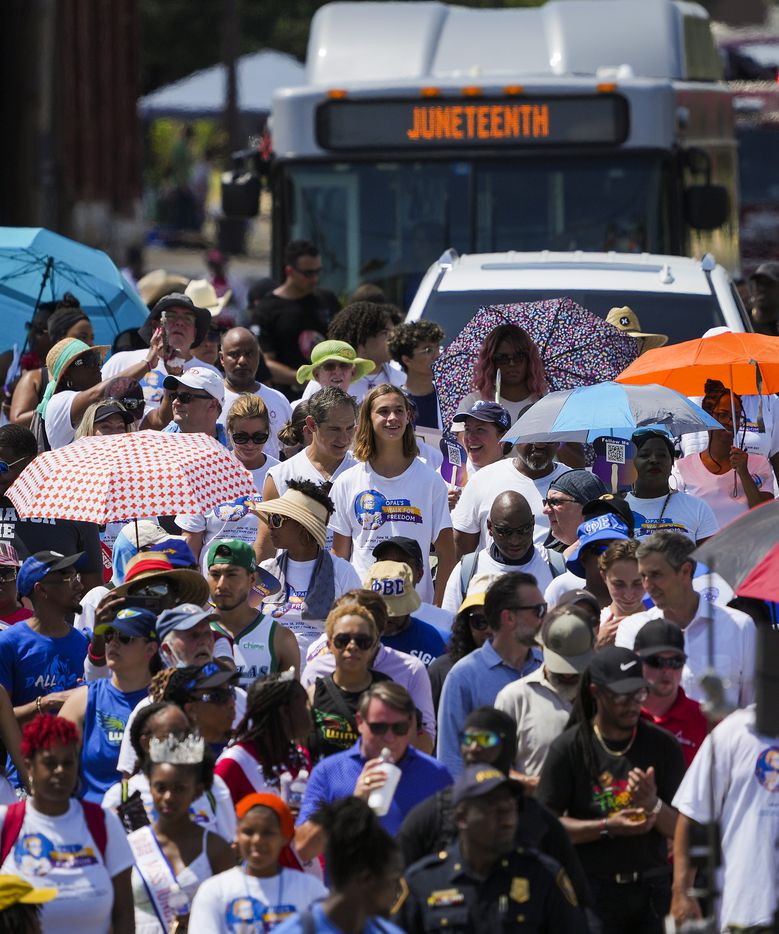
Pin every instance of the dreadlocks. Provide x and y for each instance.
(264, 723)
(584, 710)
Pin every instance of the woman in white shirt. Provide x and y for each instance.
(248, 431)
(619, 569)
(391, 492)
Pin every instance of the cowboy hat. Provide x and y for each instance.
(203, 294)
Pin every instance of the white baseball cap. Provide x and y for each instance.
(199, 378)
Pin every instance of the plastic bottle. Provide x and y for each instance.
(380, 799)
(297, 789)
(285, 780)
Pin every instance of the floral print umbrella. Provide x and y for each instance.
(576, 346)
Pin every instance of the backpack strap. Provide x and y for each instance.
(307, 922)
(467, 568)
(94, 816)
(12, 826)
(556, 562)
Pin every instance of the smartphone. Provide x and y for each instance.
(144, 603)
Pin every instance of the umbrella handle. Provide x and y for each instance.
(497, 385)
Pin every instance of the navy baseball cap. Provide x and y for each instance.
(604, 528)
(409, 546)
(484, 412)
(477, 780)
(177, 551)
(180, 618)
(131, 621)
(617, 669)
(37, 566)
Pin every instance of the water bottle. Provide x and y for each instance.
(380, 800)
(285, 780)
(297, 789)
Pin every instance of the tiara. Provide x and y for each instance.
(173, 750)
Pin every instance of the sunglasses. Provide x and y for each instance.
(622, 700)
(477, 621)
(5, 466)
(157, 589)
(657, 661)
(506, 531)
(275, 521)
(7, 575)
(361, 639)
(186, 397)
(88, 360)
(556, 503)
(112, 634)
(484, 739)
(309, 273)
(539, 609)
(232, 512)
(132, 405)
(399, 729)
(243, 437)
(217, 696)
(506, 359)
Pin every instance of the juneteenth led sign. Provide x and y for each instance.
(480, 121)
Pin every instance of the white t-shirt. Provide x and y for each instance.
(233, 902)
(59, 429)
(244, 528)
(755, 442)
(60, 852)
(716, 490)
(212, 811)
(299, 467)
(288, 613)
(562, 584)
(473, 509)
(152, 381)
(681, 512)
(538, 566)
(370, 509)
(515, 409)
(740, 769)
(279, 413)
(734, 649)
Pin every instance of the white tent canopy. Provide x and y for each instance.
(203, 93)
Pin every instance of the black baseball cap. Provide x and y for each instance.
(617, 669)
(408, 546)
(477, 780)
(659, 635)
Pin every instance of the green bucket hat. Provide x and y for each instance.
(339, 351)
(58, 359)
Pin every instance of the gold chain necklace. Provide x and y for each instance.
(608, 749)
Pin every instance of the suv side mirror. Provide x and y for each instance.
(706, 206)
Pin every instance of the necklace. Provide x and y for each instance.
(613, 752)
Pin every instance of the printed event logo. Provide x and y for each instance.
(112, 726)
(36, 855)
(373, 510)
(243, 913)
(646, 526)
(767, 768)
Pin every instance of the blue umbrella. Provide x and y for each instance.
(608, 410)
(37, 265)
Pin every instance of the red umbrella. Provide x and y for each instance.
(122, 477)
(762, 582)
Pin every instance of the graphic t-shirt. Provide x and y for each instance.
(370, 509)
(33, 665)
(60, 852)
(678, 512)
(692, 476)
(236, 903)
(334, 709)
(567, 787)
(105, 720)
(279, 413)
(419, 639)
(227, 520)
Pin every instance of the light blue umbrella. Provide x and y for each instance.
(37, 265)
(608, 410)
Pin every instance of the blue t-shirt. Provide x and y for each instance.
(32, 665)
(335, 777)
(108, 710)
(419, 639)
(221, 433)
(323, 925)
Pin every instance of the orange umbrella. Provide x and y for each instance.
(746, 363)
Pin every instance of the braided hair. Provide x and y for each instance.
(582, 715)
(263, 724)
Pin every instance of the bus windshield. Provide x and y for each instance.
(385, 222)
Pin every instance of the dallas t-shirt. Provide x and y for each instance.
(679, 512)
(279, 413)
(692, 476)
(233, 901)
(567, 787)
(60, 852)
(370, 509)
(33, 665)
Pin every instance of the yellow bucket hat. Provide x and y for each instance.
(339, 351)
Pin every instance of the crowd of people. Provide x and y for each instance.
(366, 699)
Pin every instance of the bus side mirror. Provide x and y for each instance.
(707, 206)
(240, 194)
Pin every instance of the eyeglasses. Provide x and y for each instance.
(5, 466)
(87, 360)
(657, 661)
(539, 609)
(399, 729)
(506, 531)
(426, 351)
(507, 359)
(237, 509)
(484, 739)
(217, 696)
(556, 503)
(171, 314)
(7, 575)
(622, 700)
(477, 621)
(186, 397)
(155, 589)
(361, 639)
(309, 273)
(68, 579)
(112, 634)
(257, 437)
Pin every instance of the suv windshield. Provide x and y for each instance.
(681, 317)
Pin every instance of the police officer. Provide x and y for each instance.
(483, 883)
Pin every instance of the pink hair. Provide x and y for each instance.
(484, 370)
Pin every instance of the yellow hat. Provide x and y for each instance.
(478, 586)
(339, 351)
(625, 319)
(15, 891)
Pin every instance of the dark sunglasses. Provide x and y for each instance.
(243, 437)
(158, 589)
(622, 700)
(361, 639)
(112, 634)
(399, 729)
(309, 273)
(186, 397)
(657, 661)
(132, 404)
(539, 609)
(506, 359)
(484, 739)
(217, 696)
(506, 531)
(275, 521)
(5, 466)
(477, 621)
(88, 360)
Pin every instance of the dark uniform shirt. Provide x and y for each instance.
(525, 892)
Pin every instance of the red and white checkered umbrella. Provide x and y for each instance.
(123, 477)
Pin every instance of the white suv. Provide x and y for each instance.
(671, 295)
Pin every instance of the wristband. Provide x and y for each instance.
(38, 704)
(658, 806)
(603, 829)
(95, 659)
